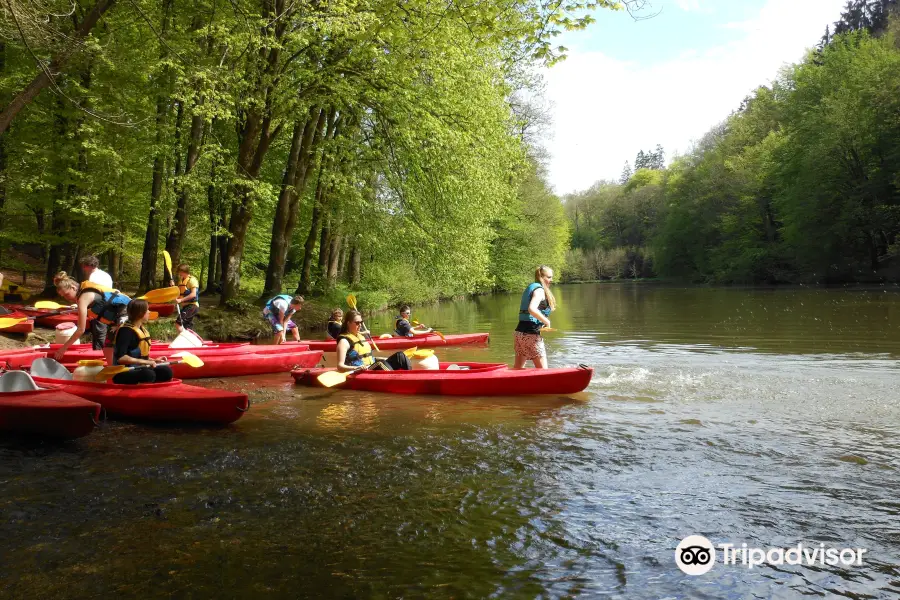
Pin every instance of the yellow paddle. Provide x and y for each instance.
(161, 295)
(414, 352)
(351, 302)
(191, 360)
(42, 304)
(168, 260)
(435, 332)
(332, 378)
(11, 322)
(45, 304)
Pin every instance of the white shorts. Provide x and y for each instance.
(530, 346)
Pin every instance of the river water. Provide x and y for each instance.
(765, 417)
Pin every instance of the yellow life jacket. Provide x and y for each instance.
(143, 347)
(187, 284)
(360, 352)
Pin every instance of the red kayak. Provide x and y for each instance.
(202, 351)
(229, 365)
(23, 327)
(170, 401)
(47, 411)
(164, 310)
(429, 340)
(18, 358)
(46, 317)
(476, 381)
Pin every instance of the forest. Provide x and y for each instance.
(800, 184)
(281, 145)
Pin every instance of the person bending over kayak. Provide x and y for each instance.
(90, 267)
(403, 327)
(132, 348)
(189, 300)
(353, 351)
(334, 323)
(278, 312)
(96, 302)
(534, 313)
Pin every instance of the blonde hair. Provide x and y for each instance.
(541, 271)
(62, 281)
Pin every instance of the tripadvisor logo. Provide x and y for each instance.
(696, 555)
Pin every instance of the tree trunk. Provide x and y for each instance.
(325, 239)
(309, 246)
(42, 79)
(334, 258)
(151, 237)
(354, 265)
(342, 261)
(175, 241)
(215, 226)
(277, 254)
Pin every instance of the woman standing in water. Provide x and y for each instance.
(534, 313)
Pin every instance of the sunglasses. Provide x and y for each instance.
(356, 322)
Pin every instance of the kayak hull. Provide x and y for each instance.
(170, 401)
(166, 309)
(475, 382)
(233, 365)
(45, 317)
(49, 412)
(402, 343)
(23, 327)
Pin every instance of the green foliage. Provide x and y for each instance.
(169, 106)
(800, 184)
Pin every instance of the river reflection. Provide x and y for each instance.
(765, 417)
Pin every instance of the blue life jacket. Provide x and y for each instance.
(543, 307)
(286, 298)
(108, 306)
(408, 328)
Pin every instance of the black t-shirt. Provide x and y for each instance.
(126, 341)
(334, 329)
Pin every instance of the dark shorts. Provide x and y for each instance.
(188, 313)
(157, 374)
(99, 334)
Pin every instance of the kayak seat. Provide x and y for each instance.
(50, 369)
(17, 381)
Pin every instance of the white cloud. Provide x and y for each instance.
(606, 110)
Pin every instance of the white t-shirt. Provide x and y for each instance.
(101, 277)
(280, 305)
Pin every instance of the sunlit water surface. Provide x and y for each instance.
(766, 417)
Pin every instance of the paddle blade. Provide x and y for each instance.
(439, 334)
(351, 301)
(192, 360)
(48, 304)
(332, 378)
(168, 258)
(109, 372)
(10, 322)
(410, 352)
(161, 295)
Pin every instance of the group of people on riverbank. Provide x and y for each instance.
(118, 323)
(354, 350)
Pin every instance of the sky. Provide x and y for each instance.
(629, 85)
